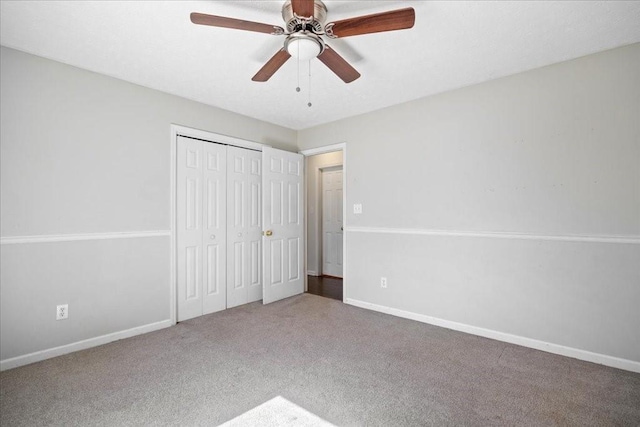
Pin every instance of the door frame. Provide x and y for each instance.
(341, 146)
(216, 138)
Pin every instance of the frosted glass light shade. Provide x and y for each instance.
(303, 48)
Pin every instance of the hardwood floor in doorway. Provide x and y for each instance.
(325, 286)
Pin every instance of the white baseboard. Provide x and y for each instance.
(602, 359)
(312, 273)
(37, 356)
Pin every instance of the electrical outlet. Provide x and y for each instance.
(383, 282)
(62, 312)
(357, 208)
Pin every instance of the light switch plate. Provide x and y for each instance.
(357, 208)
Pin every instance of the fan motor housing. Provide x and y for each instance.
(295, 24)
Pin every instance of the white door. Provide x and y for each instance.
(282, 213)
(244, 229)
(201, 224)
(332, 229)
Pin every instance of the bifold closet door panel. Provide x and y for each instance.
(215, 228)
(254, 229)
(189, 236)
(201, 228)
(244, 226)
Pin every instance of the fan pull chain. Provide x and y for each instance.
(309, 104)
(298, 60)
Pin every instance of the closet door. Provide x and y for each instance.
(189, 217)
(254, 229)
(282, 211)
(201, 228)
(244, 244)
(215, 228)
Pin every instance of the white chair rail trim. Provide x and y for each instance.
(85, 236)
(633, 240)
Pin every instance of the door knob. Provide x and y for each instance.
(268, 233)
(213, 236)
(239, 234)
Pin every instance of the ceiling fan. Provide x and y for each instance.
(304, 28)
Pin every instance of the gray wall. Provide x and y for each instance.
(85, 153)
(313, 166)
(549, 153)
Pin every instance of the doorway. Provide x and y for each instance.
(326, 195)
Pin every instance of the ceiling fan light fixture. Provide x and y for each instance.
(305, 29)
(304, 46)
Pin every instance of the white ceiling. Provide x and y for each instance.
(453, 44)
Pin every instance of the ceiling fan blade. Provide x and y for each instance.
(271, 66)
(338, 65)
(378, 22)
(303, 8)
(238, 24)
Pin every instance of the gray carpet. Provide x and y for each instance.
(346, 365)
